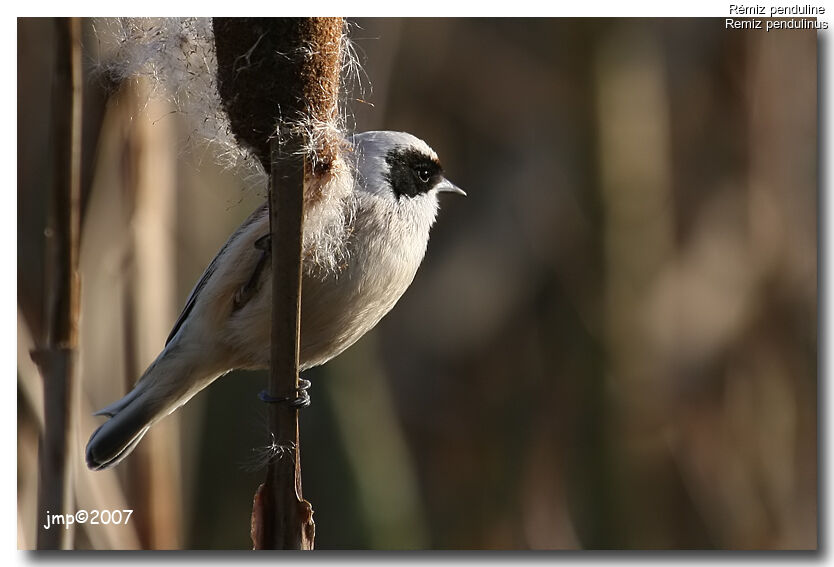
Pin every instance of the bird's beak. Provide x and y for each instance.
(446, 186)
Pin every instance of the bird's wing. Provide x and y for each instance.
(192, 298)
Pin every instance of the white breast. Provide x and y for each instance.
(385, 249)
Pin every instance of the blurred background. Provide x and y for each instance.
(611, 343)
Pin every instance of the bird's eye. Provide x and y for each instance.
(423, 173)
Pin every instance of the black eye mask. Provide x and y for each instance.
(411, 172)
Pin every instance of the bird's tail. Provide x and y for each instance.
(165, 385)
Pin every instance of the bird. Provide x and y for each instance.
(392, 203)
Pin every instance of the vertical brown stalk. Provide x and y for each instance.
(288, 518)
(274, 75)
(56, 358)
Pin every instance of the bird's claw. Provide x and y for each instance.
(300, 400)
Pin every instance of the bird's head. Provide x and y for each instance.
(399, 167)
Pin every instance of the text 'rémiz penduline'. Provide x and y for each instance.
(801, 14)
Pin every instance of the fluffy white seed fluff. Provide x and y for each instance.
(177, 58)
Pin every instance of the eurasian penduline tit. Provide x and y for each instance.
(226, 325)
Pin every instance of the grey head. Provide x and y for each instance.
(399, 166)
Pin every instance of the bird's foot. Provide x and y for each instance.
(300, 400)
